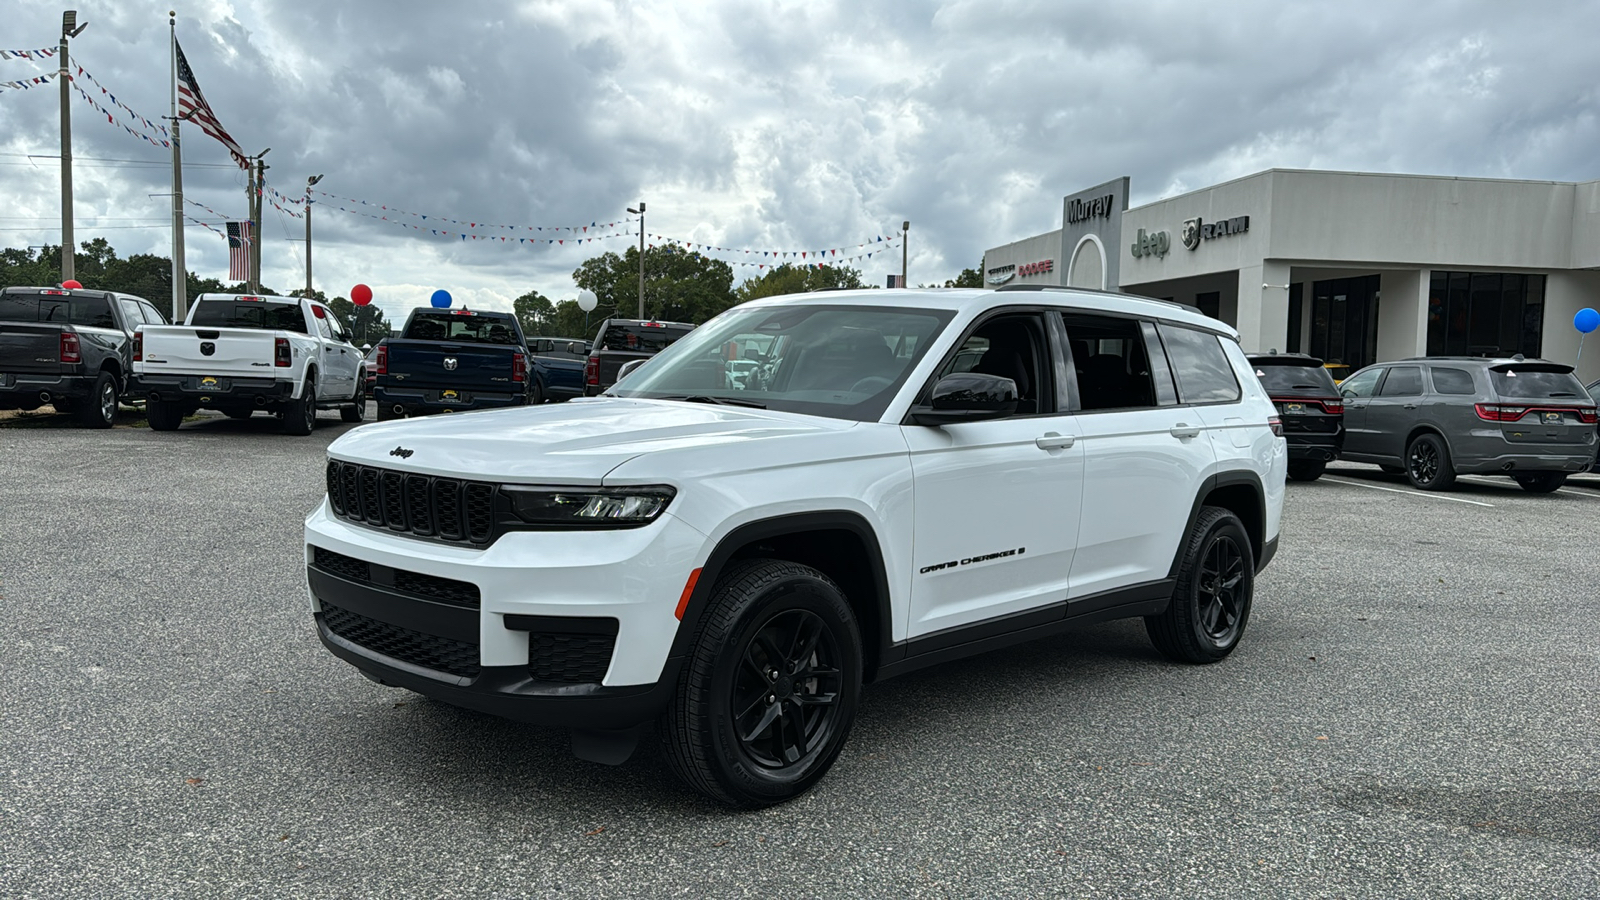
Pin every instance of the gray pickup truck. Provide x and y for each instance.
(69, 347)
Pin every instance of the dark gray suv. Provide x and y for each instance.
(1436, 417)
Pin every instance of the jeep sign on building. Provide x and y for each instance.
(1352, 267)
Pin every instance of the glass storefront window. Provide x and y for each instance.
(1485, 314)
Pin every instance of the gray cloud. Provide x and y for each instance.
(780, 125)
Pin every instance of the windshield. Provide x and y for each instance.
(458, 327)
(249, 314)
(1536, 383)
(1294, 377)
(63, 309)
(840, 362)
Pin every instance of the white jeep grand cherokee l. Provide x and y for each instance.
(803, 495)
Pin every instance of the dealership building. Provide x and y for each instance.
(1353, 267)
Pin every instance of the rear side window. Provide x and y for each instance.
(1202, 368)
(92, 312)
(1292, 378)
(639, 338)
(1110, 361)
(1536, 382)
(1452, 381)
(132, 312)
(249, 314)
(1403, 381)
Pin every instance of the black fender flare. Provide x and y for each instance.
(1211, 483)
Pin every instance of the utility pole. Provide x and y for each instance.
(180, 269)
(905, 238)
(69, 29)
(640, 213)
(258, 180)
(309, 183)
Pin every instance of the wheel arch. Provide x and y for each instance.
(840, 544)
(1239, 492)
(1421, 429)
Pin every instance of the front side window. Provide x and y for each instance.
(152, 316)
(1403, 381)
(1361, 384)
(1200, 364)
(132, 312)
(844, 362)
(1452, 381)
(1111, 362)
(1009, 346)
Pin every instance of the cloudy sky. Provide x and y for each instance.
(767, 124)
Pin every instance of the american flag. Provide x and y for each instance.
(190, 100)
(239, 241)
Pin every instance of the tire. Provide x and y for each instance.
(238, 413)
(1392, 470)
(99, 409)
(163, 415)
(536, 394)
(1541, 482)
(1307, 469)
(300, 416)
(1211, 604)
(758, 614)
(1428, 463)
(356, 412)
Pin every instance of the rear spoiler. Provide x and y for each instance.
(1557, 368)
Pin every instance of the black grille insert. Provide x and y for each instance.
(446, 509)
(429, 651)
(431, 587)
(570, 658)
(341, 565)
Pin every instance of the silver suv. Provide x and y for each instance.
(1436, 417)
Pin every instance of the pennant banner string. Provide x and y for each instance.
(111, 119)
(26, 83)
(46, 53)
(150, 125)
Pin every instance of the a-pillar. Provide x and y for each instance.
(1263, 321)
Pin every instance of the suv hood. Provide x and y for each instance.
(574, 442)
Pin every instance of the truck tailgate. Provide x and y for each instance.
(30, 348)
(449, 364)
(232, 351)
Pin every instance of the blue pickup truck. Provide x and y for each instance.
(557, 367)
(451, 360)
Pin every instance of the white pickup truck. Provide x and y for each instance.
(241, 353)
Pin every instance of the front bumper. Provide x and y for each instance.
(422, 401)
(22, 389)
(522, 641)
(206, 390)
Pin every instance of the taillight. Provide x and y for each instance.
(281, 358)
(591, 371)
(519, 370)
(1276, 424)
(383, 359)
(138, 346)
(1588, 416)
(1333, 407)
(1493, 412)
(69, 348)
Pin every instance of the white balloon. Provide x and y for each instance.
(587, 301)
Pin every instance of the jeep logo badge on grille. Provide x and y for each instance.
(401, 452)
(450, 363)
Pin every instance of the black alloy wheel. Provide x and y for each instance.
(1428, 463)
(536, 395)
(1210, 605)
(300, 417)
(356, 412)
(163, 415)
(767, 698)
(99, 409)
(1541, 482)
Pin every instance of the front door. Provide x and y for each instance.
(1393, 411)
(996, 502)
(1357, 391)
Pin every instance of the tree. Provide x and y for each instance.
(98, 266)
(569, 320)
(680, 286)
(969, 278)
(534, 312)
(792, 279)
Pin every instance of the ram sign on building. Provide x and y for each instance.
(1352, 267)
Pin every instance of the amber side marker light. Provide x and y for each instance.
(683, 601)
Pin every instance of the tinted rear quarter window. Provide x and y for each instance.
(1202, 368)
(1452, 381)
(1291, 378)
(249, 314)
(640, 338)
(1535, 383)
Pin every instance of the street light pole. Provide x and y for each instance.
(309, 183)
(69, 29)
(905, 238)
(640, 213)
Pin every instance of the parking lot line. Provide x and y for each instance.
(1575, 489)
(1379, 487)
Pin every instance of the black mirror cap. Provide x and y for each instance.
(968, 397)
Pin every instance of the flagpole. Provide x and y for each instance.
(180, 270)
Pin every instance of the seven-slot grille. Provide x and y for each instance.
(422, 505)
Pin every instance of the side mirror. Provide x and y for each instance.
(577, 348)
(968, 397)
(629, 366)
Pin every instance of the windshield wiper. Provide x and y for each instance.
(720, 401)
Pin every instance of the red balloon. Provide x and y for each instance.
(361, 295)
(71, 284)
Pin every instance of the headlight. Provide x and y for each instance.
(589, 507)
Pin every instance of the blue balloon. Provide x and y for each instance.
(1586, 320)
(441, 299)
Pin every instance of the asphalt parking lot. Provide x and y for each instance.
(1412, 713)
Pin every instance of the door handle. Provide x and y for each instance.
(1053, 441)
(1181, 430)
(1410, 406)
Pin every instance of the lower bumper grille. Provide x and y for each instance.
(458, 658)
(570, 658)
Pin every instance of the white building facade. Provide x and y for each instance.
(1351, 267)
